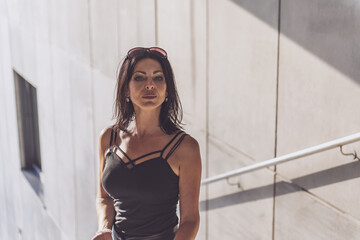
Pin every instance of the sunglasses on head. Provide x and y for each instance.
(137, 50)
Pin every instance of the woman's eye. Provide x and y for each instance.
(138, 78)
(159, 78)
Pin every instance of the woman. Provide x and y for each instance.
(147, 163)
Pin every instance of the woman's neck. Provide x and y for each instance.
(146, 123)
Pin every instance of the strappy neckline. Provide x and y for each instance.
(127, 163)
(132, 161)
(144, 162)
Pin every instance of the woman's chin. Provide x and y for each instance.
(149, 105)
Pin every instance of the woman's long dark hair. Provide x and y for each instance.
(171, 111)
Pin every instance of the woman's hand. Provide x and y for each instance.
(103, 236)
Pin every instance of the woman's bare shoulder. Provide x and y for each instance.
(104, 138)
(190, 142)
(190, 147)
(189, 156)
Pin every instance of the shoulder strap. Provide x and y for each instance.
(115, 136)
(111, 136)
(167, 145)
(177, 143)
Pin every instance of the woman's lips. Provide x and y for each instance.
(149, 96)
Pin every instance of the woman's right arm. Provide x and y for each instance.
(104, 203)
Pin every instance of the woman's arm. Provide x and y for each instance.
(105, 212)
(104, 203)
(189, 189)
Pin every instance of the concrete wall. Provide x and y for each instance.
(257, 79)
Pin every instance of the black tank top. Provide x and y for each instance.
(145, 194)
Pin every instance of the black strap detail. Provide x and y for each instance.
(130, 161)
(175, 146)
(111, 137)
(167, 145)
(112, 132)
(115, 136)
(146, 155)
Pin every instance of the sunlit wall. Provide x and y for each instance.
(257, 79)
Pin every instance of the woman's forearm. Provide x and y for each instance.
(105, 212)
(187, 230)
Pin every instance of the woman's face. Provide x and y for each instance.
(147, 86)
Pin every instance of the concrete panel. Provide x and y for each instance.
(104, 34)
(46, 114)
(26, 15)
(190, 63)
(327, 173)
(104, 97)
(198, 26)
(7, 214)
(4, 234)
(315, 45)
(84, 154)
(40, 9)
(327, 29)
(5, 56)
(136, 21)
(48, 144)
(23, 52)
(242, 76)
(178, 13)
(59, 23)
(16, 48)
(47, 111)
(12, 11)
(79, 44)
(64, 142)
(239, 208)
(20, 13)
(45, 102)
(3, 137)
(3, 9)
(38, 223)
(12, 171)
(299, 215)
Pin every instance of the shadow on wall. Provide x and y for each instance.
(314, 180)
(328, 29)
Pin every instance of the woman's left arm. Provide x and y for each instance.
(189, 189)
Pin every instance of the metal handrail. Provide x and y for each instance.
(291, 156)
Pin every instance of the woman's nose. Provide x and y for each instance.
(149, 84)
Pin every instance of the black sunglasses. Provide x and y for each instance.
(159, 51)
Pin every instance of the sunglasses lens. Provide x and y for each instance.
(133, 51)
(160, 50)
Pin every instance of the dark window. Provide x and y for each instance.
(28, 128)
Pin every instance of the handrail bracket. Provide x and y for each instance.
(352, 154)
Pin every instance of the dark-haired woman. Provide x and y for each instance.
(147, 162)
